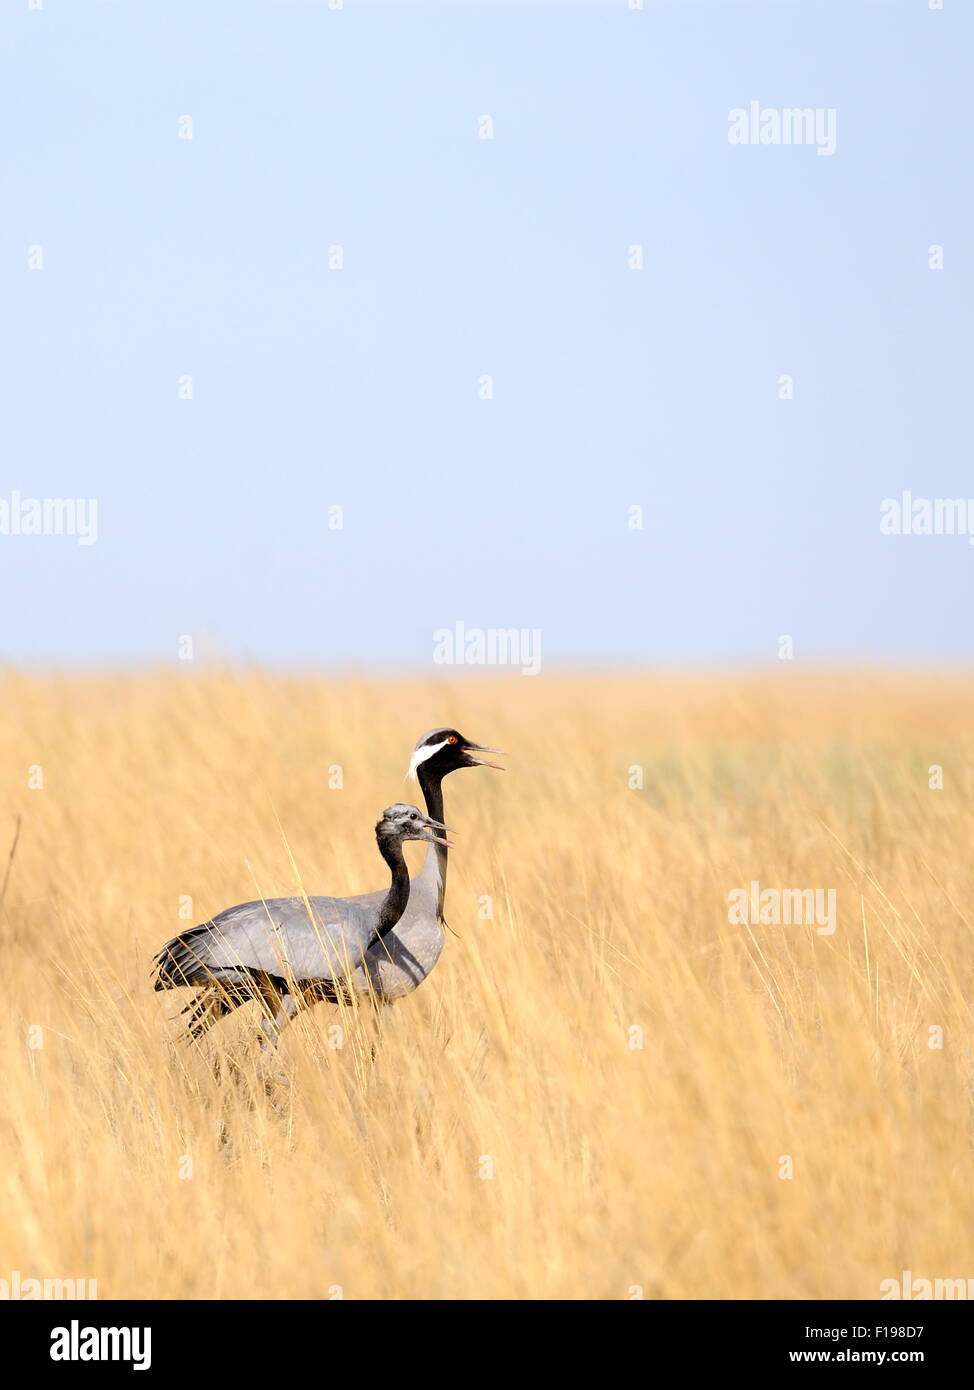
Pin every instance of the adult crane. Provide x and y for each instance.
(285, 950)
(402, 960)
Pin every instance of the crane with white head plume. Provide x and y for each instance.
(402, 960)
(391, 946)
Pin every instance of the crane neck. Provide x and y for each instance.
(394, 903)
(431, 785)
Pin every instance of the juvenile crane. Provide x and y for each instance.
(401, 960)
(285, 949)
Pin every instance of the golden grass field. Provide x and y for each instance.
(613, 1166)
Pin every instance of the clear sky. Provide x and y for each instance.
(462, 257)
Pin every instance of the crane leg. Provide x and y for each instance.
(273, 1023)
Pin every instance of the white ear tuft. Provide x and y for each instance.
(420, 755)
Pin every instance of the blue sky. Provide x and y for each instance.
(462, 256)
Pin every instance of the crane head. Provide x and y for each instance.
(402, 822)
(445, 750)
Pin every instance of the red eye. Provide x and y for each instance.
(452, 738)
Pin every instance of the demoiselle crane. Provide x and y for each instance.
(285, 950)
(401, 961)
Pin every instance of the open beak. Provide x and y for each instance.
(434, 825)
(473, 748)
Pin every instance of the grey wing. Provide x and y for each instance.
(279, 936)
(370, 902)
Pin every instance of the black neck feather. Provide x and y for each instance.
(431, 786)
(394, 902)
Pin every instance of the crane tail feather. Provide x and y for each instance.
(205, 1009)
(183, 961)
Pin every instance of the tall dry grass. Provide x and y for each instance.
(613, 1166)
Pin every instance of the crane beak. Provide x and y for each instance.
(432, 826)
(472, 748)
